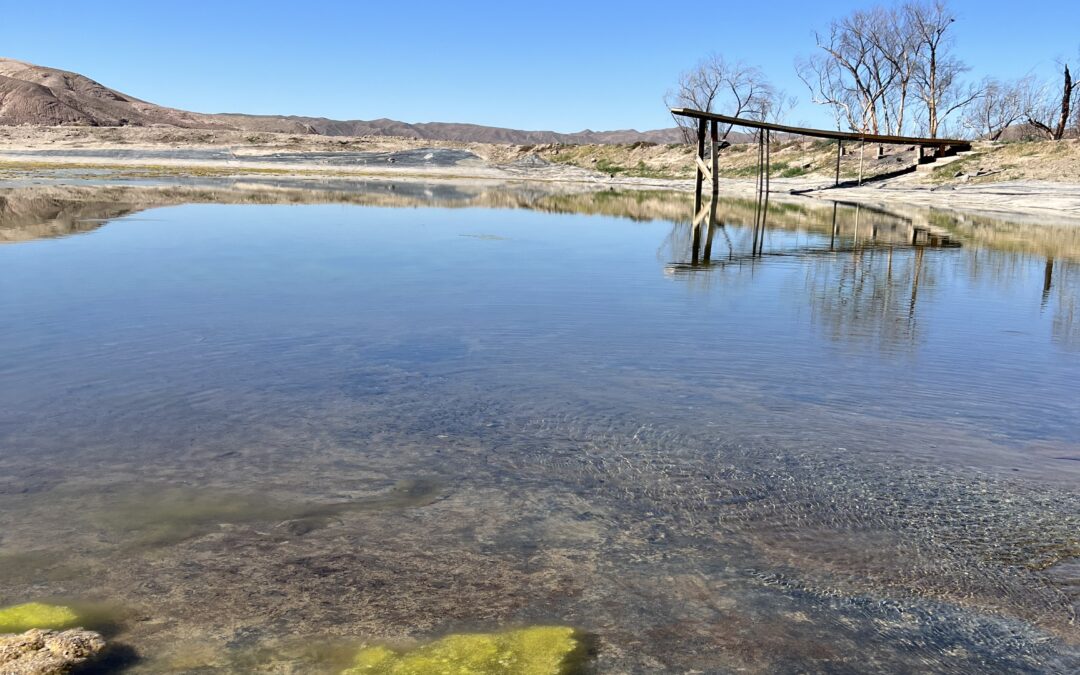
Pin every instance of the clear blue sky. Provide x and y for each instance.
(554, 65)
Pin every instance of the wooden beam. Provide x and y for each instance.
(823, 133)
(704, 168)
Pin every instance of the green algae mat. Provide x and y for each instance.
(21, 618)
(541, 650)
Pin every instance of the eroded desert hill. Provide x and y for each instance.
(40, 96)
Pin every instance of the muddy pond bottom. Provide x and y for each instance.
(243, 438)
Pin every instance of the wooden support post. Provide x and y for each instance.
(698, 161)
(758, 184)
(839, 154)
(713, 203)
(699, 178)
(862, 152)
(695, 244)
(880, 151)
(768, 185)
(715, 159)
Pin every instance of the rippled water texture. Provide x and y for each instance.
(259, 436)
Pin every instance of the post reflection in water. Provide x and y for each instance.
(867, 268)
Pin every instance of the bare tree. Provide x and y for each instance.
(896, 43)
(730, 88)
(825, 80)
(851, 74)
(1076, 111)
(1046, 107)
(937, 72)
(780, 106)
(1001, 104)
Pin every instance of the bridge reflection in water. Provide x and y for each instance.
(852, 228)
(860, 260)
(865, 271)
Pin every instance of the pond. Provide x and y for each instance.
(261, 435)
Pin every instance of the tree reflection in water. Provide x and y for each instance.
(868, 270)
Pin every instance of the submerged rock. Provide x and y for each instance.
(47, 652)
(19, 618)
(541, 650)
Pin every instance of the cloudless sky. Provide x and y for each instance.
(556, 65)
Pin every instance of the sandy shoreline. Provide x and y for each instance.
(40, 156)
(1023, 201)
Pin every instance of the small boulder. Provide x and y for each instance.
(47, 652)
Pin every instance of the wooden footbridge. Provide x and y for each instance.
(929, 150)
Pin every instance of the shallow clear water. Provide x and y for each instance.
(250, 429)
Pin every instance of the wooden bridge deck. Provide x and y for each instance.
(953, 143)
(705, 214)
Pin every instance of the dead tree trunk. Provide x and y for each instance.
(1058, 131)
(1066, 100)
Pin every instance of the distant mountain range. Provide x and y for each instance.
(40, 96)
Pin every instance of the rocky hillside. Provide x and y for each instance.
(474, 133)
(40, 96)
(48, 97)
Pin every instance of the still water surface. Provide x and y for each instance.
(256, 436)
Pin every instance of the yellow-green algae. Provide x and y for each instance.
(539, 650)
(21, 618)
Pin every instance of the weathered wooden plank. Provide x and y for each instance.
(704, 169)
